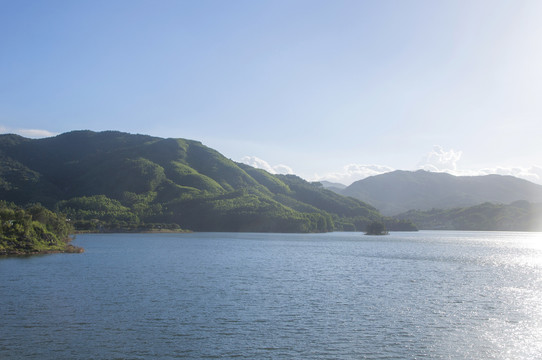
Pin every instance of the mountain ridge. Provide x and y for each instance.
(399, 191)
(517, 216)
(122, 180)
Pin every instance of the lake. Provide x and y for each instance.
(422, 295)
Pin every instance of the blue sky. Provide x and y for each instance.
(333, 90)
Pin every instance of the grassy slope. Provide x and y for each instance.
(166, 181)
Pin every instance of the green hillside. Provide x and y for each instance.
(517, 216)
(33, 230)
(116, 181)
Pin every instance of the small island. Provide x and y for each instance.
(376, 228)
(34, 230)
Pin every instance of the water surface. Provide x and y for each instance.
(425, 295)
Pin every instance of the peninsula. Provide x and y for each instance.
(33, 230)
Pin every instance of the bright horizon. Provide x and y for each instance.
(333, 91)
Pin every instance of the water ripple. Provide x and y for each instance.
(427, 295)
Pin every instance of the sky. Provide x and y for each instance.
(328, 90)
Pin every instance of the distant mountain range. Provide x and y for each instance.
(400, 191)
(333, 186)
(517, 216)
(114, 181)
(118, 181)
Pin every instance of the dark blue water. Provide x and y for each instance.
(426, 295)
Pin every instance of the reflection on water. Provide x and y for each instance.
(432, 295)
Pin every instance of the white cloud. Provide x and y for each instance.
(30, 133)
(533, 173)
(35, 133)
(262, 164)
(257, 163)
(283, 169)
(353, 172)
(439, 160)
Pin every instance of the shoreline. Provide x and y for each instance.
(70, 249)
(119, 231)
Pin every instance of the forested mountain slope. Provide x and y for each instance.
(399, 191)
(116, 180)
(33, 230)
(517, 216)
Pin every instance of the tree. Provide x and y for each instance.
(376, 228)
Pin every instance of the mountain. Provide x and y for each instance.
(118, 181)
(517, 216)
(333, 186)
(399, 191)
